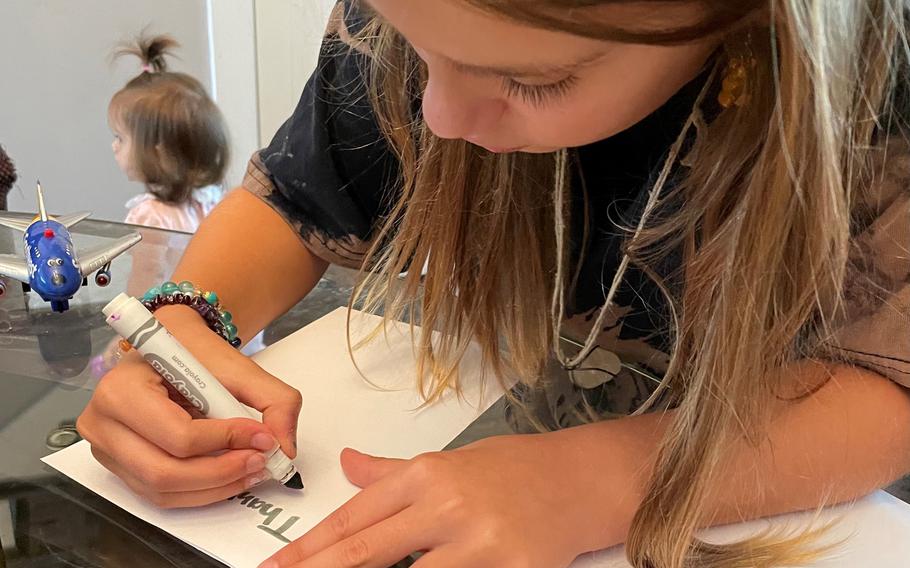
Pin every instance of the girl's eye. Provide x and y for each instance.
(539, 95)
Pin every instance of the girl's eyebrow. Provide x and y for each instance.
(522, 70)
(527, 70)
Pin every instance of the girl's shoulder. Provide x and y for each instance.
(138, 200)
(149, 211)
(877, 283)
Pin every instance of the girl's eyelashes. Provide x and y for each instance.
(539, 95)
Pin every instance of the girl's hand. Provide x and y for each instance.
(506, 501)
(142, 431)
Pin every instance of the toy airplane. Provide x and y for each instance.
(50, 265)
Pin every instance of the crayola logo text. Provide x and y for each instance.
(183, 385)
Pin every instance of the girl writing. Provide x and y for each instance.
(708, 199)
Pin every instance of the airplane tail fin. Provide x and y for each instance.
(42, 212)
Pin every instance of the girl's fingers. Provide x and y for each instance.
(160, 472)
(362, 469)
(279, 403)
(373, 505)
(170, 500)
(143, 407)
(377, 546)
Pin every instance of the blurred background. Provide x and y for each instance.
(57, 77)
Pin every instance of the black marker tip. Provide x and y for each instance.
(295, 482)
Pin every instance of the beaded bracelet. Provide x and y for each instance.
(205, 302)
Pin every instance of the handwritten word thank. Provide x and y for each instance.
(270, 512)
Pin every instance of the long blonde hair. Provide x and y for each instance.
(762, 216)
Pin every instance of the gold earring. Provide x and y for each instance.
(733, 91)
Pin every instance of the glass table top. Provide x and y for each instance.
(49, 364)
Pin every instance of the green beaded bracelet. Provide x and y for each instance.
(205, 302)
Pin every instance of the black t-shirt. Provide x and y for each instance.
(334, 172)
(331, 174)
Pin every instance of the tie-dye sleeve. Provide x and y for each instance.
(329, 171)
(876, 333)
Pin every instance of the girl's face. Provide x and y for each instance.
(122, 147)
(509, 87)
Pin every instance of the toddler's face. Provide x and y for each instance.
(122, 148)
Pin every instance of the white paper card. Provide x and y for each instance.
(341, 410)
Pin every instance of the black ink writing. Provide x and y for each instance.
(270, 514)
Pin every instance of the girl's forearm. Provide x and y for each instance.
(850, 437)
(252, 259)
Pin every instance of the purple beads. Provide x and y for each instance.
(169, 295)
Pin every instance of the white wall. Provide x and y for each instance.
(55, 85)
(233, 40)
(56, 81)
(288, 35)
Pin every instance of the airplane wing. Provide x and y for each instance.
(17, 223)
(13, 266)
(94, 258)
(21, 224)
(71, 219)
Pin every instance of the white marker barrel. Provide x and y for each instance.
(132, 321)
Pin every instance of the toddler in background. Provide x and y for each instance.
(169, 135)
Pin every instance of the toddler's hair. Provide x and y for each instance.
(179, 138)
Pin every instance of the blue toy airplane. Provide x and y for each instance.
(50, 265)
